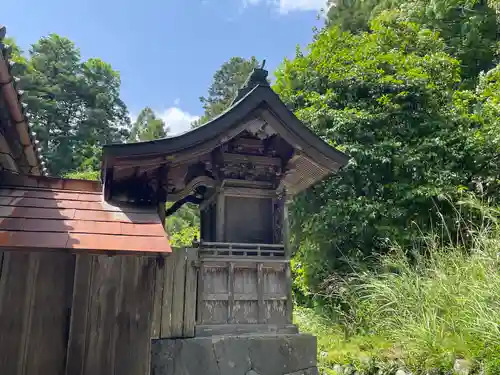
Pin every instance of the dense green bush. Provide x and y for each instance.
(389, 99)
(84, 175)
(422, 313)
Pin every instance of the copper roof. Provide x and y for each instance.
(59, 214)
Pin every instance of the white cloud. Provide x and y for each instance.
(177, 101)
(286, 6)
(290, 5)
(177, 120)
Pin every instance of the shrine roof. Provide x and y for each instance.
(41, 213)
(259, 99)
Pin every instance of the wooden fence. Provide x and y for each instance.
(175, 296)
(112, 309)
(67, 314)
(35, 301)
(75, 314)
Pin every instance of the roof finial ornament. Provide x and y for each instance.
(258, 76)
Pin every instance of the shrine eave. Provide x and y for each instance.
(260, 100)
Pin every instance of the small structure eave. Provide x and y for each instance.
(261, 98)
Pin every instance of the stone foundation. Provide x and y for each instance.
(235, 355)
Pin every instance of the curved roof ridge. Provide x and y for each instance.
(286, 122)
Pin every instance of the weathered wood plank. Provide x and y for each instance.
(158, 297)
(79, 315)
(230, 294)
(1, 263)
(13, 286)
(201, 293)
(48, 334)
(28, 310)
(35, 295)
(289, 300)
(260, 294)
(114, 336)
(190, 294)
(237, 329)
(248, 262)
(134, 312)
(178, 293)
(220, 216)
(100, 347)
(244, 297)
(168, 289)
(288, 270)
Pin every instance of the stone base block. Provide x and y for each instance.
(235, 355)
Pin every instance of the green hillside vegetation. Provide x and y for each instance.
(419, 314)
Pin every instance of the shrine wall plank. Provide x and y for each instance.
(175, 296)
(113, 304)
(66, 314)
(242, 295)
(35, 300)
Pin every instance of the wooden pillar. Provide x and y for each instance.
(220, 217)
(162, 212)
(288, 255)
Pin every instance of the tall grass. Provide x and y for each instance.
(420, 312)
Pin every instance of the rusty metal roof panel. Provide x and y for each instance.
(35, 218)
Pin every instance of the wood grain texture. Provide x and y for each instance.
(230, 293)
(104, 290)
(77, 339)
(260, 293)
(178, 293)
(190, 294)
(112, 314)
(50, 304)
(167, 298)
(13, 288)
(134, 315)
(238, 291)
(158, 298)
(35, 296)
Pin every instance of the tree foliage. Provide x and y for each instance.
(385, 97)
(470, 28)
(74, 106)
(224, 87)
(147, 127)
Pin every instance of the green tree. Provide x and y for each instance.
(147, 127)
(74, 107)
(479, 109)
(225, 85)
(470, 28)
(384, 97)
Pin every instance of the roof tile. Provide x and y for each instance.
(34, 218)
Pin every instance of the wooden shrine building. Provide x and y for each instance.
(240, 168)
(88, 282)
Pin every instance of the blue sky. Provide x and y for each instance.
(167, 51)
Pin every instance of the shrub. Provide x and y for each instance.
(423, 311)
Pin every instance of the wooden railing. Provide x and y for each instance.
(241, 249)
